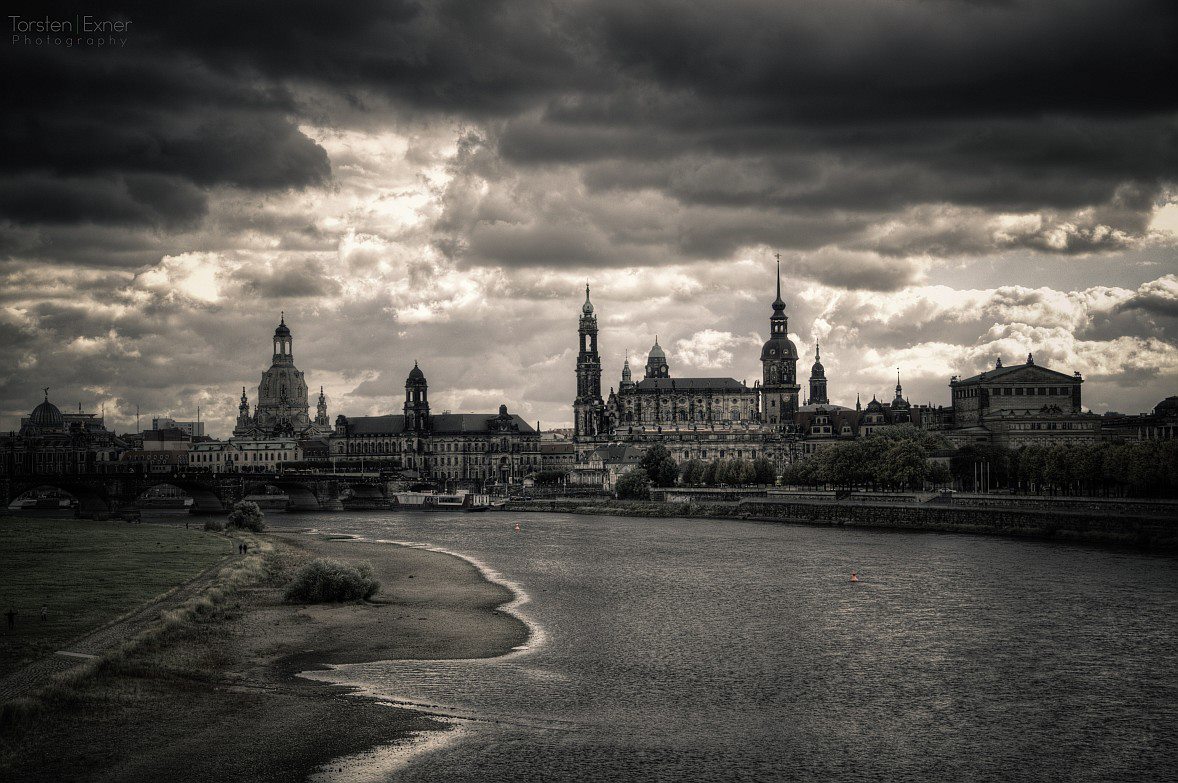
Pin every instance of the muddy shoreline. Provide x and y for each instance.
(223, 700)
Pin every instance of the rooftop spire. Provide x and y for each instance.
(778, 303)
(46, 390)
(817, 352)
(282, 318)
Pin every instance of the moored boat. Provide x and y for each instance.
(461, 500)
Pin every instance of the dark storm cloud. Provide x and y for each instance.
(848, 106)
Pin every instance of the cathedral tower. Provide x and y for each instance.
(779, 359)
(818, 380)
(588, 408)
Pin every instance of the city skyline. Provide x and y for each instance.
(403, 197)
(609, 382)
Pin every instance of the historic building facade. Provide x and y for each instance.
(471, 449)
(1020, 405)
(282, 409)
(694, 418)
(52, 442)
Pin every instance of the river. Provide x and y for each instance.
(703, 650)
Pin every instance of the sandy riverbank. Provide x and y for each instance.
(220, 700)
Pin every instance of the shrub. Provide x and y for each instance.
(248, 516)
(215, 525)
(326, 581)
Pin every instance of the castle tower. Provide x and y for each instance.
(779, 359)
(818, 380)
(588, 408)
(321, 411)
(656, 362)
(416, 401)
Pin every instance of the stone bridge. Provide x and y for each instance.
(101, 494)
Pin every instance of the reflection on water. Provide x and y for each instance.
(706, 650)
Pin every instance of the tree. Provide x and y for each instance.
(905, 465)
(634, 484)
(764, 471)
(247, 515)
(711, 473)
(660, 466)
(692, 471)
(938, 474)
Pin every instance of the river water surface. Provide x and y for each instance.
(719, 651)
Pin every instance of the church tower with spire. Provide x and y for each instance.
(818, 380)
(588, 408)
(779, 360)
(321, 418)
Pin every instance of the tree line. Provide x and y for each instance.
(890, 458)
(1145, 468)
(659, 469)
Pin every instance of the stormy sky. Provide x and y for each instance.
(948, 182)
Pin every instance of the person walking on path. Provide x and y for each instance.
(11, 615)
(44, 612)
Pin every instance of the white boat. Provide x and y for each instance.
(441, 501)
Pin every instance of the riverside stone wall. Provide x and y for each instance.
(1152, 532)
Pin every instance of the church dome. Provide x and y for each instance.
(1167, 408)
(46, 414)
(657, 352)
(416, 377)
(283, 330)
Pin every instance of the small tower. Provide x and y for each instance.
(627, 383)
(656, 362)
(243, 414)
(588, 408)
(818, 380)
(321, 411)
(416, 401)
(900, 409)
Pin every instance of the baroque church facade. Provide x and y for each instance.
(282, 408)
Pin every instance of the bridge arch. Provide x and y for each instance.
(301, 495)
(92, 501)
(204, 499)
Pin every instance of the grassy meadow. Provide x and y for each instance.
(87, 573)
